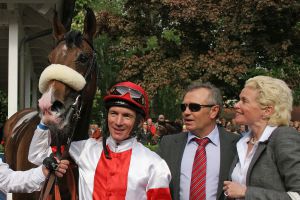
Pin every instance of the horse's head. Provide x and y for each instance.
(72, 72)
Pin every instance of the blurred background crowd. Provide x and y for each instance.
(153, 130)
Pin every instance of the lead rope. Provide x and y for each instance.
(51, 179)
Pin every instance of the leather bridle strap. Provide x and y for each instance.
(51, 179)
(75, 113)
(46, 190)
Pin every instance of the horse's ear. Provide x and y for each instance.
(89, 24)
(58, 28)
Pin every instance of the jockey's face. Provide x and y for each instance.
(120, 122)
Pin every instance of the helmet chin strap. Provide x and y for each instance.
(105, 136)
(106, 133)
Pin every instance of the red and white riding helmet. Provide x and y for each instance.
(130, 95)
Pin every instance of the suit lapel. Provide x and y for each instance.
(178, 147)
(260, 149)
(224, 160)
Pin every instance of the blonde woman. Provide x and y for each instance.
(268, 162)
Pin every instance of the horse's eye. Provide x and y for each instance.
(82, 58)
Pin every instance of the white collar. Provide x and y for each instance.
(265, 135)
(213, 136)
(121, 146)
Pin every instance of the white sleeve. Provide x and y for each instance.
(159, 180)
(40, 146)
(20, 181)
(160, 176)
(76, 149)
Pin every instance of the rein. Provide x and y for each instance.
(51, 180)
(74, 112)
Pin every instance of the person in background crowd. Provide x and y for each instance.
(116, 166)
(27, 181)
(160, 120)
(144, 136)
(185, 153)
(242, 129)
(151, 126)
(95, 131)
(268, 160)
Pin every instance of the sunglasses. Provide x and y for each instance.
(193, 107)
(134, 94)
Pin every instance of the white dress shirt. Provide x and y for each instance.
(239, 173)
(212, 165)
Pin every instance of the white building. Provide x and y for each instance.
(25, 41)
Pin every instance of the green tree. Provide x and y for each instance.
(170, 43)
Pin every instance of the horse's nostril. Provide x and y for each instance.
(56, 106)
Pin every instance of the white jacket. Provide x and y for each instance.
(148, 174)
(20, 181)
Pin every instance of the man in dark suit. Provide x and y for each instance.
(200, 108)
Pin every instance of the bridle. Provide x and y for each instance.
(76, 107)
(75, 112)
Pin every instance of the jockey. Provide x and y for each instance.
(27, 181)
(115, 166)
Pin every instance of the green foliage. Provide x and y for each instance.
(114, 7)
(78, 19)
(166, 102)
(297, 26)
(171, 35)
(152, 43)
(3, 107)
(152, 147)
(1, 148)
(97, 113)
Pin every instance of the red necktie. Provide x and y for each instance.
(198, 180)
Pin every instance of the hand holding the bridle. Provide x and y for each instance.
(62, 168)
(58, 166)
(234, 190)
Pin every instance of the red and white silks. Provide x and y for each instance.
(133, 173)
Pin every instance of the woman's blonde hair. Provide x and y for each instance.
(273, 92)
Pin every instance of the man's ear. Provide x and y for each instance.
(214, 111)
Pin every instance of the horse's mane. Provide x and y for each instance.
(73, 37)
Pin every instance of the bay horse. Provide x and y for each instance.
(73, 58)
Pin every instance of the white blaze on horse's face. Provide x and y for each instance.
(48, 115)
(64, 50)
